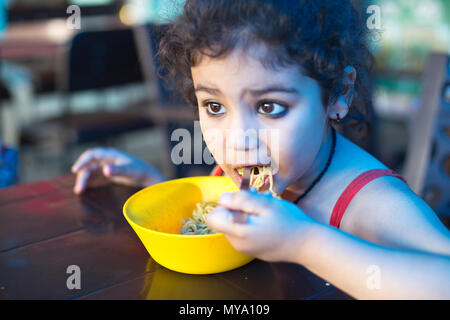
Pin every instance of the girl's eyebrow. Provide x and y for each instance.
(254, 92)
(260, 92)
(212, 91)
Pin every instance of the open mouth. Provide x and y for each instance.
(261, 177)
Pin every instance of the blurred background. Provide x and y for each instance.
(78, 74)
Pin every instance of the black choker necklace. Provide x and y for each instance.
(330, 157)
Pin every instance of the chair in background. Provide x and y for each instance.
(4, 96)
(169, 109)
(427, 166)
(4, 93)
(96, 60)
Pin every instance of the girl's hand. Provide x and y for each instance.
(275, 229)
(113, 166)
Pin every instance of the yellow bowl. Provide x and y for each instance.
(156, 212)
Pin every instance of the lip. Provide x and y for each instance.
(237, 166)
(237, 175)
(264, 187)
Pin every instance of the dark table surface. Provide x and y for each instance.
(45, 228)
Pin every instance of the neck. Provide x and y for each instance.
(300, 185)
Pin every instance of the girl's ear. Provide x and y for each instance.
(340, 108)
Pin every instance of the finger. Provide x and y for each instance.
(222, 220)
(108, 170)
(111, 170)
(119, 174)
(239, 217)
(88, 156)
(247, 201)
(82, 160)
(83, 177)
(81, 181)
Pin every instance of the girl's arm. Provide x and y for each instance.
(277, 230)
(400, 220)
(394, 248)
(370, 271)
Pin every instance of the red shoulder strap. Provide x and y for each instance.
(353, 188)
(217, 171)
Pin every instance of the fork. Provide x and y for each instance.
(239, 217)
(245, 184)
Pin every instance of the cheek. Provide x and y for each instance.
(300, 139)
(299, 152)
(213, 134)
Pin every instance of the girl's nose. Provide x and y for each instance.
(243, 133)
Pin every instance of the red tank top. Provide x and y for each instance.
(352, 189)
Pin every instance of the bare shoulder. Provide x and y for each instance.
(388, 212)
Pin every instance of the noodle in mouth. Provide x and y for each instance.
(197, 224)
(257, 180)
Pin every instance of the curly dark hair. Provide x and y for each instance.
(321, 37)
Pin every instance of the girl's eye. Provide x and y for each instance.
(214, 108)
(272, 109)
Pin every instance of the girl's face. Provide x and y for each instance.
(237, 95)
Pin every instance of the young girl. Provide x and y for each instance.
(300, 68)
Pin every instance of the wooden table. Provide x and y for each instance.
(44, 228)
